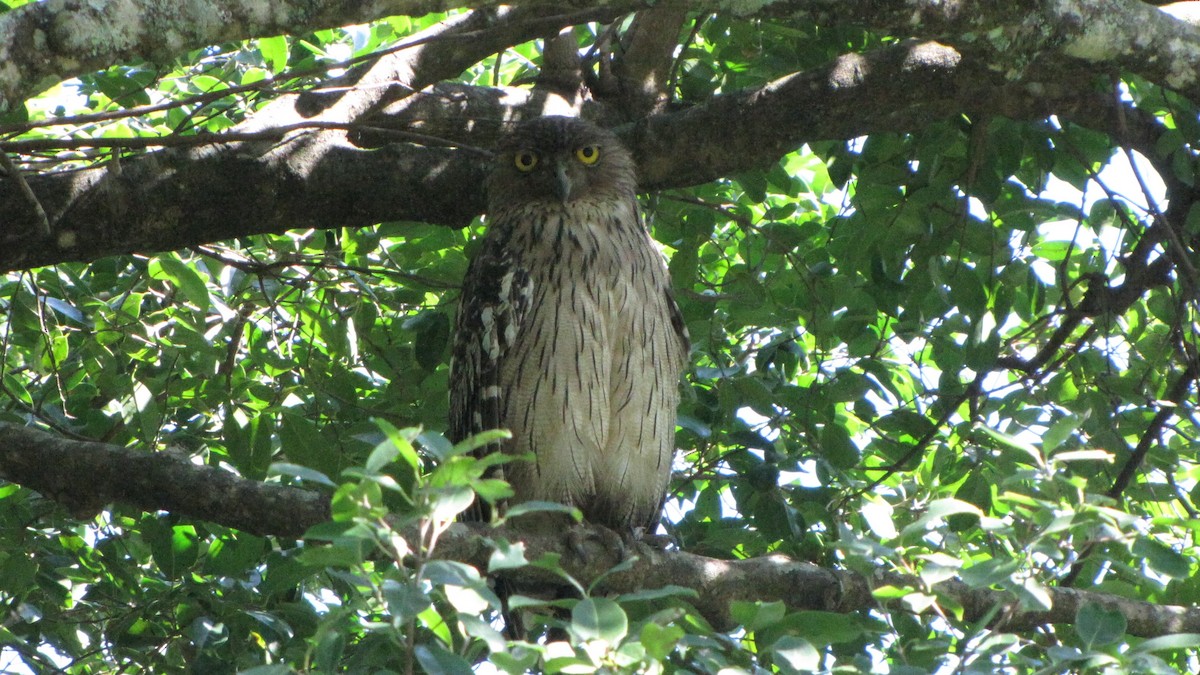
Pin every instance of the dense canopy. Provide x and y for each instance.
(938, 261)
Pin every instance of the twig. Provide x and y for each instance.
(677, 67)
(1175, 396)
(1134, 461)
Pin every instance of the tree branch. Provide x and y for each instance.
(643, 69)
(86, 475)
(46, 42)
(437, 53)
(186, 197)
(42, 43)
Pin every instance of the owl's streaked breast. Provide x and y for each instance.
(590, 385)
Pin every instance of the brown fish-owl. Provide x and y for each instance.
(568, 333)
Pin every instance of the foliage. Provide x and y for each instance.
(901, 359)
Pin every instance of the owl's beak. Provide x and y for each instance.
(562, 183)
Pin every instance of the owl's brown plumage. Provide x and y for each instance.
(568, 333)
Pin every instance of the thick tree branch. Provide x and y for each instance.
(179, 198)
(256, 181)
(85, 476)
(42, 43)
(440, 52)
(1124, 34)
(643, 68)
(46, 42)
(184, 197)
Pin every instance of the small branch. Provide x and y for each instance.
(42, 39)
(207, 97)
(1048, 350)
(677, 64)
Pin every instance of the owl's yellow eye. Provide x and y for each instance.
(588, 154)
(525, 160)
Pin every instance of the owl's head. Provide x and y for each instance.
(560, 160)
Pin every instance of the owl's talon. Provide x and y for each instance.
(608, 539)
(658, 542)
(575, 539)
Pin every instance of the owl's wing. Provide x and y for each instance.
(495, 299)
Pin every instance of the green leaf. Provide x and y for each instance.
(274, 51)
(542, 507)
(668, 591)
(402, 441)
(1059, 431)
(1097, 625)
(330, 647)
(481, 439)
(304, 445)
(175, 548)
(404, 599)
(838, 448)
(1011, 442)
(273, 669)
(1177, 642)
(299, 472)
(234, 555)
(383, 454)
(449, 502)
(432, 338)
(507, 556)
(792, 654)
(1162, 559)
(599, 619)
(938, 511)
(16, 573)
(977, 491)
(660, 641)
(1054, 251)
(825, 628)
(183, 277)
(436, 660)
(353, 500)
(346, 553)
(757, 615)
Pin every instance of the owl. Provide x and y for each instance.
(568, 333)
